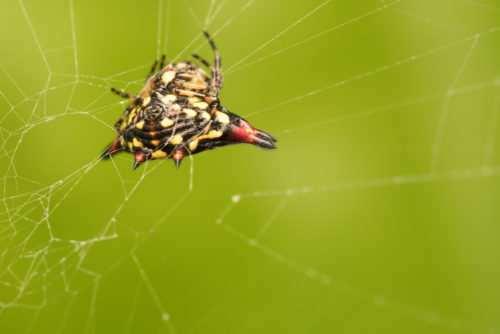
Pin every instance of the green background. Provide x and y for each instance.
(378, 212)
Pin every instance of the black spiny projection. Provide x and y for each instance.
(178, 113)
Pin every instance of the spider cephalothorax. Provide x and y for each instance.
(178, 113)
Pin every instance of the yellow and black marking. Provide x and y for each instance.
(178, 113)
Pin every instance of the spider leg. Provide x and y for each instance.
(162, 61)
(123, 94)
(217, 80)
(153, 70)
(206, 63)
(215, 87)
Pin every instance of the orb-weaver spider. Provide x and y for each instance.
(178, 112)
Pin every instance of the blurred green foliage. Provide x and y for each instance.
(378, 213)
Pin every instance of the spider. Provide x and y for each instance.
(178, 113)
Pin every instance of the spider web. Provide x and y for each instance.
(377, 213)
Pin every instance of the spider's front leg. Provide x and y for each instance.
(217, 73)
(122, 94)
(153, 68)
